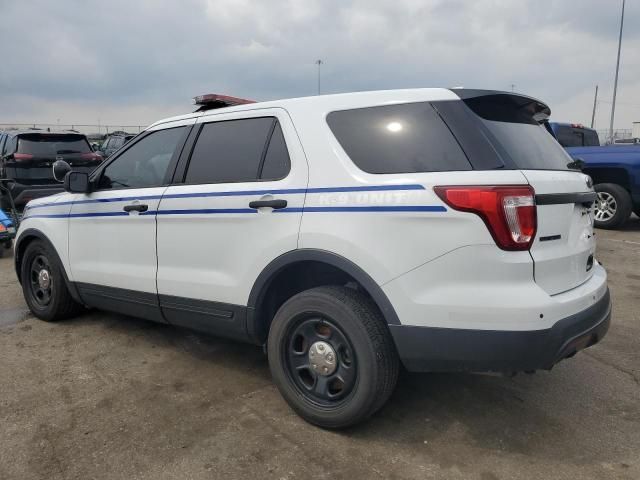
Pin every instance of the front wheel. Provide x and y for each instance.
(613, 206)
(43, 284)
(331, 356)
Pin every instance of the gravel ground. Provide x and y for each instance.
(105, 396)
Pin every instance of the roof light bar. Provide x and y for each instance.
(214, 100)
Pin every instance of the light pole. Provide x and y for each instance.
(319, 62)
(615, 83)
(595, 103)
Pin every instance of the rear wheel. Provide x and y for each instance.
(331, 356)
(613, 206)
(43, 284)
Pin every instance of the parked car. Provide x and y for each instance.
(114, 142)
(615, 170)
(26, 156)
(574, 135)
(444, 229)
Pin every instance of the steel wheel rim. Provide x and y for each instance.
(325, 390)
(40, 281)
(606, 207)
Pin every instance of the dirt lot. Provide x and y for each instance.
(106, 396)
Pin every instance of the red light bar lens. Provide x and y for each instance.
(226, 100)
(20, 157)
(509, 212)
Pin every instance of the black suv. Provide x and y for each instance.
(114, 142)
(26, 157)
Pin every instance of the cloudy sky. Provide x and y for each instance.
(135, 61)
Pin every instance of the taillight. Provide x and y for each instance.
(91, 156)
(21, 157)
(508, 211)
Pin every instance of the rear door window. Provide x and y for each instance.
(235, 151)
(403, 138)
(276, 163)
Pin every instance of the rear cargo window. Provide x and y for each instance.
(405, 138)
(52, 145)
(512, 125)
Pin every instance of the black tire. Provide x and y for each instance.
(613, 206)
(351, 324)
(58, 303)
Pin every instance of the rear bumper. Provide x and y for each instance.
(454, 349)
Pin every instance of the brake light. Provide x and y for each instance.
(91, 156)
(21, 157)
(509, 212)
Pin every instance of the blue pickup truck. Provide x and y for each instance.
(615, 170)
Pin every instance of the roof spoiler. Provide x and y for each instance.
(211, 101)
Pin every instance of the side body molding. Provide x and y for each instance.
(257, 326)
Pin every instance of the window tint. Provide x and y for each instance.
(568, 137)
(51, 145)
(229, 151)
(145, 164)
(116, 142)
(512, 128)
(276, 163)
(397, 139)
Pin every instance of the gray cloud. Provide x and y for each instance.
(136, 61)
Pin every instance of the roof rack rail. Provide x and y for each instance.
(211, 101)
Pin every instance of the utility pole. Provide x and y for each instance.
(319, 62)
(595, 102)
(615, 83)
(513, 87)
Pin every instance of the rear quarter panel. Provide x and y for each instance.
(385, 242)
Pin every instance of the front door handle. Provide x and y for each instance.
(136, 207)
(275, 204)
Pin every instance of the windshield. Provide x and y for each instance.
(51, 145)
(513, 129)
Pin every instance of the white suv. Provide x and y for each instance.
(441, 229)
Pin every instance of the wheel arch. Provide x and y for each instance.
(616, 175)
(20, 246)
(265, 296)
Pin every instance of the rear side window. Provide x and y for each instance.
(276, 163)
(51, 145)
(404, 138)
(236, 151)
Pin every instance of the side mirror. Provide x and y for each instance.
(60, 169)
(94, 147)
(77, 182)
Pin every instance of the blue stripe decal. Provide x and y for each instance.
(214, 211)
(286, 191)
(376, 208)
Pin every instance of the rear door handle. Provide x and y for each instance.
(136, 207)
(275, 204)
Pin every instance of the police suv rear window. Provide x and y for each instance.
(404, 138)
